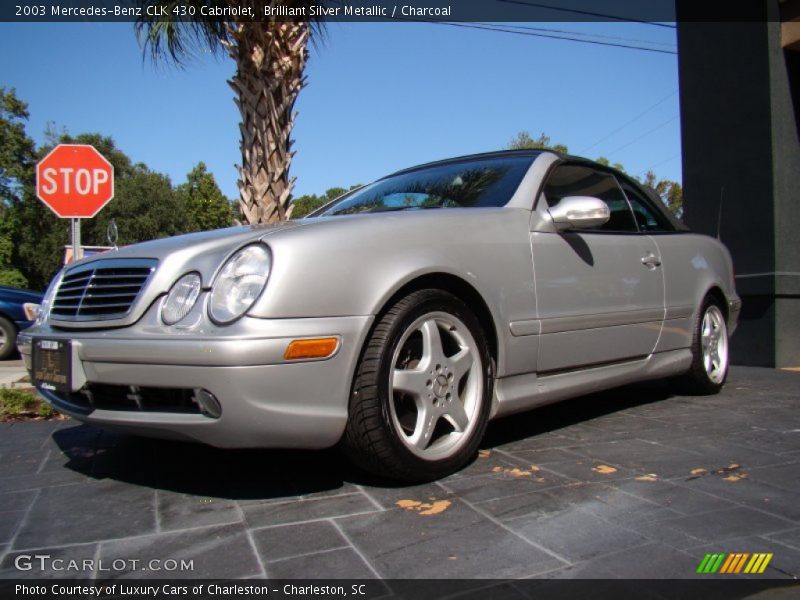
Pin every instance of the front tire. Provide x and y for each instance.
(710, 350)
(422, 390)
(8, 338)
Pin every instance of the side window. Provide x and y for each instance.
(575, 180)
(647, 218)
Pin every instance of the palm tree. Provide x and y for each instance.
(270, 55)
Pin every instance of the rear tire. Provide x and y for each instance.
(8, 338)
(422, 390)
(710, 351)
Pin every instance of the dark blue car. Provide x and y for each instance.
(14, 317)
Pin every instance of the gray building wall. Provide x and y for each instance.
(741, 150)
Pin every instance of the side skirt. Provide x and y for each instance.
(522, 392)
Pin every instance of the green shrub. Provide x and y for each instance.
(45, 410)
(16, 404)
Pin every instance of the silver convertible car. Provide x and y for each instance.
(396, 320)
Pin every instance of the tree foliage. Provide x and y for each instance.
(17, 153)
(9, 275)
(17, 165)
(205, 204)
(524, 141)
(670, 192)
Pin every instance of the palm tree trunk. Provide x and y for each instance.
(270, 59)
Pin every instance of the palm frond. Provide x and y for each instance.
(178, 40)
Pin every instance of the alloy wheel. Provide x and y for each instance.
(435, 386)
(714, 344)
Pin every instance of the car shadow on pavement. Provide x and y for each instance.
(255, 474)
(551, 418)
(200, 470)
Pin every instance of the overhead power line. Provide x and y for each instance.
(580, 34)
(586, 13)
(645, 134)
(633, 120)
(504, 29)
(659, 163)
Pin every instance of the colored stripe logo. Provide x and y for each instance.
(734, 562)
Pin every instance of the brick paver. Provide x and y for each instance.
(634, 483)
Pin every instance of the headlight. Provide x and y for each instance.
(239, 283)
(181, 298)
(47, 301)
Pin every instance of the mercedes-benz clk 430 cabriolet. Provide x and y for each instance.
(396, 320)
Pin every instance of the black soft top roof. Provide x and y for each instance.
(480, 156)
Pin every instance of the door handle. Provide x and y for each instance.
(651, 261)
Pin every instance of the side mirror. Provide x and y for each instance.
(579, 212)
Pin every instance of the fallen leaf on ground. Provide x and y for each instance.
(698, 471)
(648, 477)
(484, 453)
(425, 508)
(515, 472)
(434, 508)
(736, 477)
(730, 467)
(518, 472)
(604, 469)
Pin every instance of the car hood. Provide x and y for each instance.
(202, 252)
(299, 247)
(195, 243)
(205, 251)
(17, 295)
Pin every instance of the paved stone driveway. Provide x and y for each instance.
(629, 483)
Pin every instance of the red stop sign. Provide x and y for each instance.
(75, 181)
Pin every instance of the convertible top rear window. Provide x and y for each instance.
(461, 184)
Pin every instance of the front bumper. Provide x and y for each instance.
(266, 401)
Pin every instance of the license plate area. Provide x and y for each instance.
(52, 365)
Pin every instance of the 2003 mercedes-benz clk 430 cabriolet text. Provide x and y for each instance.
(396, 320)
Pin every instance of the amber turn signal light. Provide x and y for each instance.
(314, 348)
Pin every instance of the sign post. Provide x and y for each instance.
(75, 181)
(76, 239)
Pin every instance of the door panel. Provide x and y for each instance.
(600, 291)
(597, 301)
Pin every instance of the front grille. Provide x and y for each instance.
(101, 290)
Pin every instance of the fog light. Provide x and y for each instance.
(313, 348)
(181, 298)
(208, 404)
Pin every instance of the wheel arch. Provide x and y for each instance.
(462, 290)
(717, 294)
(10, 319)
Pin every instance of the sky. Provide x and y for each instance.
(380, 97)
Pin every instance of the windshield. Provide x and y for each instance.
(471, 183)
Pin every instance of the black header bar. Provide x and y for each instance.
(647, 11)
